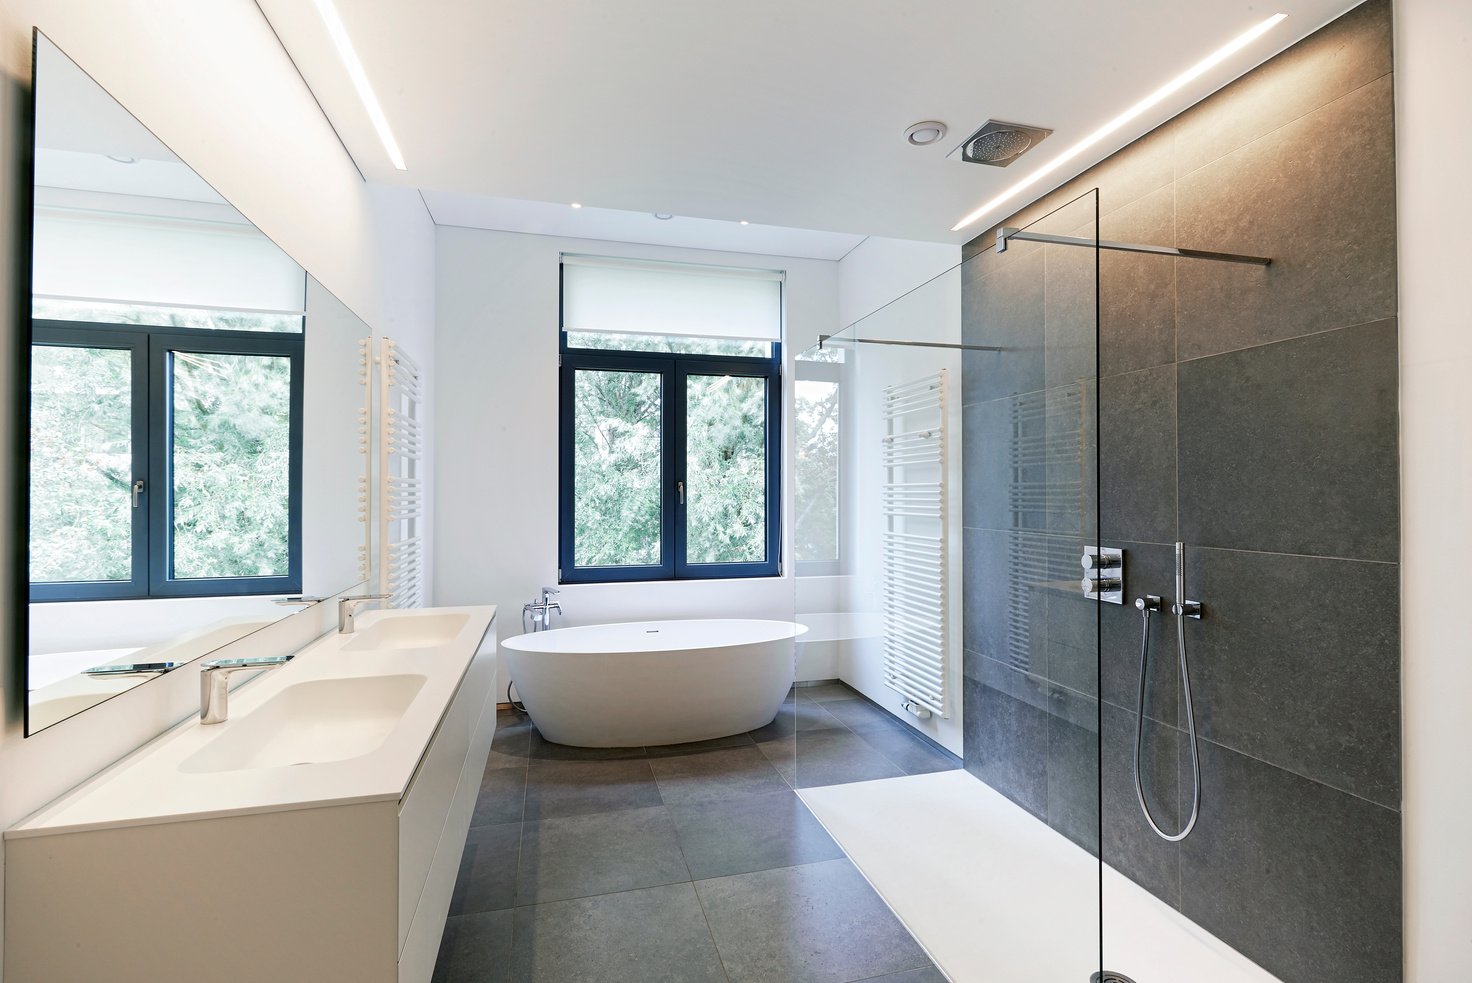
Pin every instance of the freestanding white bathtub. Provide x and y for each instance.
(653, 682)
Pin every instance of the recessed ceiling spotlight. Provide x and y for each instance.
(577, 204)
(925, 133)
(745, 222)
(121, 159)
(663, 216)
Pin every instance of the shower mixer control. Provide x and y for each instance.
(1103, 574)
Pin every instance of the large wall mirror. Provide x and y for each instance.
(196, 433)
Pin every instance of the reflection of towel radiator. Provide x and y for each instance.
(367, 379)
(400, 478)
(913, 503)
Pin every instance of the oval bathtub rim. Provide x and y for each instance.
(797, 630)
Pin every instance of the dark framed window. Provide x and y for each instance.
(165, 461)
(670, 459)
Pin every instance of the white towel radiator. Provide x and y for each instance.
(916, 541)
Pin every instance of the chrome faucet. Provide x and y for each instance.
(347, 610)
(541, 611)
(214, 684)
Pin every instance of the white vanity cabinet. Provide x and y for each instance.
(156, 873)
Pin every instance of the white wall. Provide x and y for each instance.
(1433, 158)
(496, 438)
(212, 81)
(879, 270)
(898, 290)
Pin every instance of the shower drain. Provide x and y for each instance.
(1109, 976)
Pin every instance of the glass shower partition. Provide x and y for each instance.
(945, 722)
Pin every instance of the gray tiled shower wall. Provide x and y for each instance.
(1250, 413)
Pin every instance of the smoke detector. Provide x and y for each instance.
(998, 144)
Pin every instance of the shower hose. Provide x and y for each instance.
(1146, 607)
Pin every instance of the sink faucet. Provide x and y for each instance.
(214, 683)
(347, 610)
(541, 611)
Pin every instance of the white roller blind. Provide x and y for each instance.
(169, 262)
(670, 298)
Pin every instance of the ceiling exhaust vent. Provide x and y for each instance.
(999, 144)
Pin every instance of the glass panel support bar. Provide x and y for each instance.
(825, 338)
(1006, 235)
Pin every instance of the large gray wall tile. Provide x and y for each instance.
(1351, 51)
(1137, 292)
(1298, 663)
(1149, 568)
(1293, 447)
(1002, 304)
(1073, 766)
(1318, 196)
(1300, 877)
(1006, 723)
(1130, 845)
(1137, 455)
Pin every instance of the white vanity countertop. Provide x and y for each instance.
(156, 785)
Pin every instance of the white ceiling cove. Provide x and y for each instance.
(785, 113)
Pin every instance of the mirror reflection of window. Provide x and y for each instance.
(818, 430)
(176, 489)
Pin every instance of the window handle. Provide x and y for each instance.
(137, 490)
(680, 487)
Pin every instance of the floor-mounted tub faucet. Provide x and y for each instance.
(541, 611)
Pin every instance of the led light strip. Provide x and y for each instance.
(360, 80)
(1175, 84)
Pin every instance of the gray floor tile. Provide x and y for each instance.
(929, 974)
(824, 692)
(817, 922)
(543, 749)
(754, 832)
(827, 757)
(654, 935)
(502, 796)
(911, 754)
(696, 779)
(572, 788)
(512, 742)
(793, 717)
(857, 711)
(475, 948)
(487, 879)
(604, 853)
(696, 747)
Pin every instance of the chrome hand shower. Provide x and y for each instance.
(1182, 609)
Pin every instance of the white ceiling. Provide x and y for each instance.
(786, 113)
(87, 141)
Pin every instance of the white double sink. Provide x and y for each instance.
(336, 718)
(347, 720)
